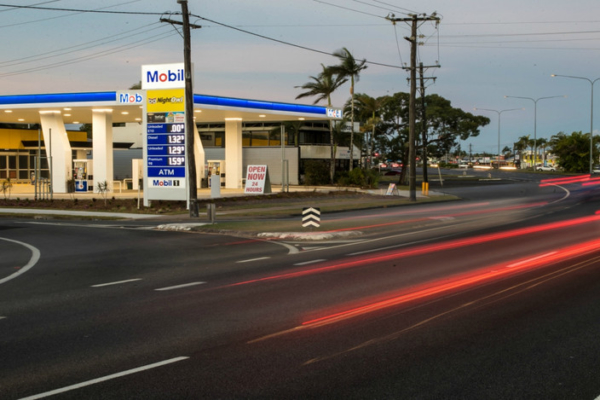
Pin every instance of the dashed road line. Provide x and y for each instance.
(104, 378)
(179, 286)
(116, 283)
(310, 262)
(253, 259)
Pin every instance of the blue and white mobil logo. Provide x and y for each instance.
(167, 183)
(333, 113)
(163, 76)
(130, 97)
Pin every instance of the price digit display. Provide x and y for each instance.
(176, 128)
(177, 161)
(176, 150)
(176, 139)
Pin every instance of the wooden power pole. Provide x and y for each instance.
(414, 20)
(189, 107)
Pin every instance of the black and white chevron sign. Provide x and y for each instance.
(311, 217)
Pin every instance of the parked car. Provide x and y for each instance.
(596, 169)
(547, 168)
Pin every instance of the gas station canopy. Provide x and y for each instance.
(77, 108)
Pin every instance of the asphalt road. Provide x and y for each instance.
(494, 297)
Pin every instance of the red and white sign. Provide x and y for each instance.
(257, 180)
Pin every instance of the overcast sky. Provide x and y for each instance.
(486, 50)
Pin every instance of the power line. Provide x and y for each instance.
(96, 11)
(523, 34)
(401, 8)
(372, 5)
(37, 4)
(71, 49)
(114, 50)
(60, 16)
(284, 42)
(347, 8)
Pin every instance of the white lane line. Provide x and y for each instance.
(32, 261)
(2, 317)
(253, 259)
(180, 286)
(530, 259)
(310, 262)
(105, 378)
(117, 283)
(397, 245)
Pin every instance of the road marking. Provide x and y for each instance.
(310, 262)
(2, 317)
(180, 286)
(117, 283)
(253, 259)
(397, 245)
(105, 378)
(32, 261)
(530, 259)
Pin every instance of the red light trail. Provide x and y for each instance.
(452, 244)
(459, 282)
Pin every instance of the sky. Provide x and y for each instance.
(264, 49)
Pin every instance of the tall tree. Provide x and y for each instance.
(573, 151)
(521, 145)
(349, 67)
(446, 125)
(368, 110)
(321, 87)
(542, 143)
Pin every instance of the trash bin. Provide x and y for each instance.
(129, 185)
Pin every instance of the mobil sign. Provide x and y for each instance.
(163, 76)
(130, 97)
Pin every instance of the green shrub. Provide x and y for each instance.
(358, 177)
(316, 172)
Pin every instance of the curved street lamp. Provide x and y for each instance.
(591, 114)
(534, 120)
(499, 114)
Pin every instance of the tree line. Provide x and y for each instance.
(384, 120)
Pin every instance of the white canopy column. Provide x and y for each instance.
(233, 153)
(58, 149)
(102, 146)
(199, 156)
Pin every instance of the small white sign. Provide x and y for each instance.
(257, 180)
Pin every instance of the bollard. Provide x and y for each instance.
(211, 212)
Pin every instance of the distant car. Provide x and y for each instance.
(596, 169)
(547, 168)
(463, 165)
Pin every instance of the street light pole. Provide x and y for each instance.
(534, 120)
(591, 114)
(499, 114)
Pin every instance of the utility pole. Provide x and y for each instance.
(414, 20)
(424, 120)
(189, 106)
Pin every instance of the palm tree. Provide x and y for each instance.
(522, 144)
(348, 67)
(321, 87)
(542, 143)
(367, 108)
